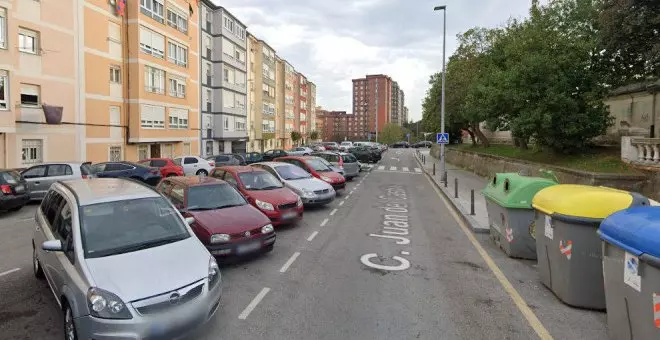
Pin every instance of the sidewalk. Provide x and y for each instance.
(466, 182)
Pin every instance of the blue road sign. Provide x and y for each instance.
(442, 138)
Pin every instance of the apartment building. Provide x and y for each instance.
(312, 107)
(290, 113)
(395, 114)
(262, 102)
(405, 114)
(39, 68)
(372, 104)
(333, 124)
(280, 109)
(401, 104)
(224, 81)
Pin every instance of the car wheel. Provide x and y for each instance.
(170, 175)
(69, 324)
(202, 173)
(305, 154)
(36, 266)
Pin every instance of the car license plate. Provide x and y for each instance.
(20, 188)
(247, 248)
(290, 214)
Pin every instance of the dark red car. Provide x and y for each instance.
(264, 191)
(224, 221)
(318, 168)
(165, 165)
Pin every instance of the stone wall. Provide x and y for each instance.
(487, 165)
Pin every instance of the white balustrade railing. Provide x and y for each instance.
(648, 150)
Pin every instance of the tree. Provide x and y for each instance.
(314, 135)
(391, 133)
(295, 137)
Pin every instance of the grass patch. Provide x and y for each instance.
(597, 159)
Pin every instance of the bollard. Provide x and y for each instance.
(424, 159)
(455, 187)
(445, 179)
(433, 168)
(472, 202)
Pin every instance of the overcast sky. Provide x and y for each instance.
(334, 41)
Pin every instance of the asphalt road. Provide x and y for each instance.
(386, 260)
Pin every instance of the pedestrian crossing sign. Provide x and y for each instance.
(442, 138)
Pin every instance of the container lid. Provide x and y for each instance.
(584, 201)
(636, 230)
(512, 190)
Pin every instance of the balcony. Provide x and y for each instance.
(641, 151)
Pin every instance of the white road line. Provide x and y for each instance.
(342, 203)
(289, 262)
(350, 193)
(9, 271)
(26, 219)
(334, 211)
(405, 253)
(312, 236)
(392, 168)
(405, 169)
(324, 222)
(253, 304)
(418, 170)
(382, 167)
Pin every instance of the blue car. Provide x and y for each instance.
(135, 171)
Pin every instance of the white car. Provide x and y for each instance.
(195, 165)
(344, 146)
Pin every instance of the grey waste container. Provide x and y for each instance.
(510, 214)
(567, 243)
(631, 268)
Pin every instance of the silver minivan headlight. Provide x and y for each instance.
(106, 305)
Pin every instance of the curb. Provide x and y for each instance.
(464, 214)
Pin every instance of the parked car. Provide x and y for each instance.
(224, 159)
(272, 154)
(40, 177)
(345, 145)
(365, 154)
(194, 165)
(348, 163)
(317, 168)
(165, 165)
(330, 165)
(116, 254)
(14, 193)
(264, 191)
(399, 145)
(225, 222)
(300, 151)
(422, 144)
(135, 171)
(311, 190)
(317, 147)
(331, 146)
(252, 157)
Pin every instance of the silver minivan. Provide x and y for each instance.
(122, 262)
(40, 177)
(349, 165)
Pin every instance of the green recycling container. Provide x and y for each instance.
(510, 213)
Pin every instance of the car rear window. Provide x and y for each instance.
(10, 177)
(158, 163)
(349, 158)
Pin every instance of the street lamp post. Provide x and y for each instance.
(443, 168)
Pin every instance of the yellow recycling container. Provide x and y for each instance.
(568, 247)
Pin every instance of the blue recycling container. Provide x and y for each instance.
(631, 271)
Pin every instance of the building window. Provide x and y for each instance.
(114, 153)
(226, 123)
(30, 95)
(177, 87)
(153, 9)
(167, 150)
(177, 54)
(4, 90)
(177, 20)
(178, 118)
(115, 74)
(28, 41)
(152, 116)
(240, 124)
(208, 96)
(3, 27)
(154, 80)
(32, 151)
(209, 148)
(233, 51)
(229, 24)
(142, 151)
(152, 43)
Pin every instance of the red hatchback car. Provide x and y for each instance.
(224, 221)
(317, 168)
(165, 165)
(264, 191)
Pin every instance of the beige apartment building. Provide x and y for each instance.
(261, 96)
(311, 121)
(280, 110)
(289, 106)
(39, 65)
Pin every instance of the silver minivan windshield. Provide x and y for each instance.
(125, 226)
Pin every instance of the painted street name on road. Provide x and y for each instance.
(395, 227)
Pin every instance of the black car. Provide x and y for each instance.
(422, 144)
(365, 154)
(272, 154)
(14, 190)
(252, 157)
(226, 159)
(400, 145)
(135, 171)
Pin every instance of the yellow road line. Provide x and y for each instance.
(527, 312)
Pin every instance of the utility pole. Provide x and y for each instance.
(443, 168)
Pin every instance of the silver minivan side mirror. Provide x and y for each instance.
(52, 245)
(190, 220)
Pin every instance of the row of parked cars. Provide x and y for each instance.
(132, 249)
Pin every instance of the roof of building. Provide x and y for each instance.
(643, 86)
(215, 7)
